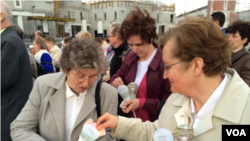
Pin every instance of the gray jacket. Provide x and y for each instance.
(46, 109)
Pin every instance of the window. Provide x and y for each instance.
(158, 17)
(105, 33)
(171, 18)
(95, 17)
(161, 29)
(115, 16)
(81, 15)
(68, 14)
(105, 16)
(18, 3)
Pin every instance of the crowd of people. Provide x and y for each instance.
(197, 74)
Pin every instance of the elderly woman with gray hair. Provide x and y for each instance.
(60, 103)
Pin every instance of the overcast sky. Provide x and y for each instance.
(186, 5)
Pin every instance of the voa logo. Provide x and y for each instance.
(236, 132)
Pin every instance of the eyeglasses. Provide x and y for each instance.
(169, 66)
(110, 36)
(83, 78)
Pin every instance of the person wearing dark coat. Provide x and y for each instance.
(16, 76)
(238, 33)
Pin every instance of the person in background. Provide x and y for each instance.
(107, 40)
(239, 36)
(19, 32)
(84, 34)
(219, 19)
(16, 76)
(63, 43)
(38, 33)
(98, 40)
(109, 56)
(67, 99)
(54, 51)
(119, 46)
(142, 65)
(206, 93)
(42, 56)
(67, 40)
(104, 45)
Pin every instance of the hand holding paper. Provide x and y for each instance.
(131, 105)
(124, 93)
(107, 120)
(89, 131)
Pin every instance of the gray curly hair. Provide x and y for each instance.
(82, 53)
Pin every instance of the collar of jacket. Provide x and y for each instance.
(156, 60)
(120, 47)
(7, 30)
(54, 48)
(57, 81)
(57, 101)
(231, 104)
(239, 53)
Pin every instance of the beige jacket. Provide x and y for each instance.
(46, 109)
(232, 108)
(56, 54)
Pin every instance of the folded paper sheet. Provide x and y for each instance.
(89, 132)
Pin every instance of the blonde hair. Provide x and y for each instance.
(41, 42)
(84, 34)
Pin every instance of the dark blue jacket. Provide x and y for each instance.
(16, 79)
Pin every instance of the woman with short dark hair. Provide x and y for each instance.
(61, 103)
(239, 35)
(142, 65)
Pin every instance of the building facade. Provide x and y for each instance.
(56, 18)
(231, 8)
(105, 13)
(199, 12)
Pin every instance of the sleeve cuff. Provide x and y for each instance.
(142, 102)
(120, 131)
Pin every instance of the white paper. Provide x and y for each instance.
(123, 91)
(89, 133)
(163, 135)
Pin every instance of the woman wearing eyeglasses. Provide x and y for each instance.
(60, 103)
(206, 93)
(142, 65)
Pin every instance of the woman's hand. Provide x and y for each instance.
(117, 82)
(131, 105)
(107, 120)
(105, 78)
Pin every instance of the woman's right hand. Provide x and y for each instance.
(107, 120)
(105, 78)
(117, 82)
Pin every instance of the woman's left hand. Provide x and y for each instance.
(131, 105)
